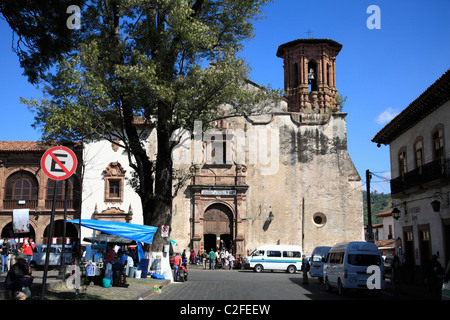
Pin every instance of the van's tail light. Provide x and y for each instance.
(345, 274)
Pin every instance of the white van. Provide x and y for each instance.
(347, 264)
(38, 259)
(275, 257)
(317, 260)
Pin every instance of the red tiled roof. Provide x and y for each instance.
(22, 146)
(385, 243)
(27, 146)
(384, 214)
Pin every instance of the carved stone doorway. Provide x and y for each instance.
(217, 226)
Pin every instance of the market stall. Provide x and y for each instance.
(140, 234)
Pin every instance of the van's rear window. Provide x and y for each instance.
(364, 260)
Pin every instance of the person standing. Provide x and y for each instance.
(5, 255)
(305, 269)
(231, 260)
(176, 265)
(204, 259)
(212, 255)
(28, 250)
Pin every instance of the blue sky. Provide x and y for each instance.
(381, 71)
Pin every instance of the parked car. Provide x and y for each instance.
(317, 260)
(347, 264)
(38, 259)
(275, 257)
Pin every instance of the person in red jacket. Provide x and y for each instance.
(28, 250)
(176, 266)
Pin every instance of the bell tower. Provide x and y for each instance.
(310, 74)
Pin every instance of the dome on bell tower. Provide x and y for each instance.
(310, 74)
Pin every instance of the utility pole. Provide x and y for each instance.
(370, 237)
(303, 225)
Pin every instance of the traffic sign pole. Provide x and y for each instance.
(49, 241)
(58, 163)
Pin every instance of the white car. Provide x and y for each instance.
(38, 259)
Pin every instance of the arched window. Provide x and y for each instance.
(21, 186)
(418, 152)
(438, 143)
(328, 75)
(312, 75)
(402, 161)
(295, 77)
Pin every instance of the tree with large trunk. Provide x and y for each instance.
(142, 65)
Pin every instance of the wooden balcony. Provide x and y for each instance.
(19, 204)
(33, 204)
(432, 173)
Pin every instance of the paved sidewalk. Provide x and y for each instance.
(57, 289)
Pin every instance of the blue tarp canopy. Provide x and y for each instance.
(138, 233)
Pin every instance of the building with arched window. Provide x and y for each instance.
(419, 144)
(24, 187)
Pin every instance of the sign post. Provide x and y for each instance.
(58, 163)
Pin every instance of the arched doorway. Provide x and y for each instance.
(217, 226)
(8, 232)
(58, 231)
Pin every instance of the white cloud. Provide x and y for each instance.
(387, 115)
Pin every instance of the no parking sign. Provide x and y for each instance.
(164, 231)
(59, 163)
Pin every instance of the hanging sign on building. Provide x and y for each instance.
(164, 231)
(59, 163)
(21, 220)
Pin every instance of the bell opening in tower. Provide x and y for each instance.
(312, 76)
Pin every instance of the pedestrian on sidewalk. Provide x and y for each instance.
(176, 265)
(19, 278)
(305, 269)
(204, 259)
(28, 250)
(435, 277)
(231, 260)
(212, 256)
(396, 272)
(5, 255)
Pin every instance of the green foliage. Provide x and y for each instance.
(151, 64)
(148, 56)
(340, 102)
(380, 202)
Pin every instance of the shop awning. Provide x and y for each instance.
(136, 232)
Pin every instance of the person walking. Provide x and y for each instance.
(5, 255)
(176, 265)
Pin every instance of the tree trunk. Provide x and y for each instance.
(161, 204)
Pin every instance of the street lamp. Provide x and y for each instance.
(436, 205)
(396, 213)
